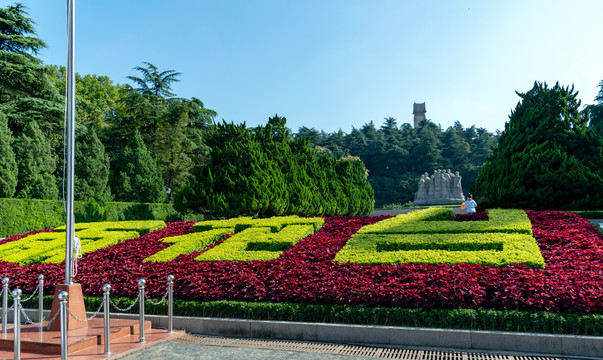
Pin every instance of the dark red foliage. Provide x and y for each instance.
(476, 216)
(571, 280)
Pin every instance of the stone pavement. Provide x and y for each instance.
(206, 347)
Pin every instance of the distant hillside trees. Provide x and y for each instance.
(396, 156)
(261, 171)
(547, 157)
(596, 111)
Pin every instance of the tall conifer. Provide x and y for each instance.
(8, 164)
(135, 176)
(36, 165)
(91, 169)
(546, 158)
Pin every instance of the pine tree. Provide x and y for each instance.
(547, 158)
(91, 169)
(36, 165)
(8, 164)
(134, 176)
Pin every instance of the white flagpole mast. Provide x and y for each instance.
(70, 230)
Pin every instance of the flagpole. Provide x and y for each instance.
(70, 219)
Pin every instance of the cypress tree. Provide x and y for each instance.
(91, 169)
(36, 165)
(135, 177)
(262, 172)
(547, 158)
(8, 164)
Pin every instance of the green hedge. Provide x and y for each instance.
(590, 214)
(468, 319)
(18, 216)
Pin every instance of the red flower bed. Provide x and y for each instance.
(571, 280)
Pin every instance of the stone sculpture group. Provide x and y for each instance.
(443, 187)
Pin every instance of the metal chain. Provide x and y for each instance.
(91, 317)
(32, 295)
(126, 309)
(28, 321)
(160, 301)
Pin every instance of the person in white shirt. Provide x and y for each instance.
(470, 204)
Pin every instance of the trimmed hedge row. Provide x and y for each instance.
(488, 249)
(403, 220)
(257, 243)
(274, 223)
(186, 244)
(19, 216)
(468, 319)
(423, 237)
(500, 220)
(590, 214)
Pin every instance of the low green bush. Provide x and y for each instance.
(467, 319)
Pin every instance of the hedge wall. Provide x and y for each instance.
(18, 216)
(468, 319)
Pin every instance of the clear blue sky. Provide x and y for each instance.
(334, 64)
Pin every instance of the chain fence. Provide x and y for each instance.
(148, 299)
(126, 309)
(87, 319)
(28, 321)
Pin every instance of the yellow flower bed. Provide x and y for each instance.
(414, 238)
(49, 247)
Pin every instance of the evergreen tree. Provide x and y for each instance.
(36, 165)
(134, 175)
(26, 93)
(91, 168)
(8, 164)
(546, 158)
(263, 172)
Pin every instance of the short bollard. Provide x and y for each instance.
(4, 303)
(40, 298)
(106, 291)
(141, 284)
(17, 323)
(170, 303)
(63, 313)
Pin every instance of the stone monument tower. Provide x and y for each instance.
(419, 112)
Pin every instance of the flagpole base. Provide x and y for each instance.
(75, 304)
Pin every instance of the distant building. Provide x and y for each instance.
(419, 112)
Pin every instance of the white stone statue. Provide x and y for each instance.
(443, 187)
